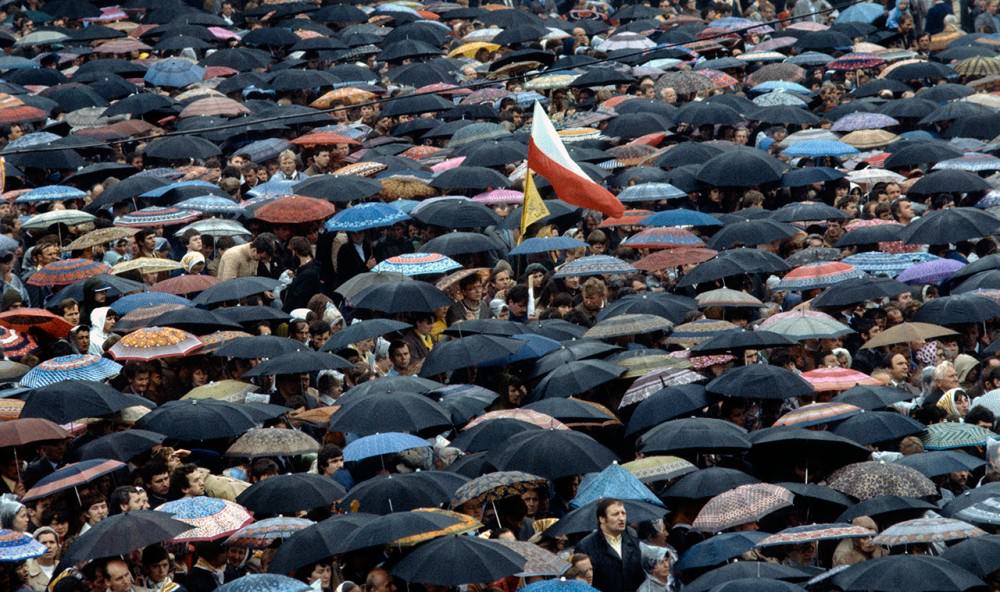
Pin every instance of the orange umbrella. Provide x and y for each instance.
(22, 319)
(343, 96)
(322, 139)
(295, 209)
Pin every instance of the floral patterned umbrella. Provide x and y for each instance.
(262, 534)
(211, 517)
(815, 532)
(818, 275)
(865, 480)
(526, 415)
(16, 547)
(412, 264)
(498, 485)
(154, 343)
(742, 505)
(927, 530)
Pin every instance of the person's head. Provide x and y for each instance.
(263, 469)
(95, 508)
(211, 551)
(330, 459)
(70, 310)
(287, 162)
(899, 367)
(865, 544)
(138, 376)
(299, 331)
(192, 240)
(517, 300)
(532, 501)
(611, 516)
(50, 538)
(980, 416)
(156, 478)
(379, 580)
(581, 568)
(13, 514)
(119, 577)
(262, 248)
(156, 563)
(321, 159)
(472, 288)
(594, 294)
(945, 376)
(128, 498)
(399, 355)
(187, 481)
(319, 333)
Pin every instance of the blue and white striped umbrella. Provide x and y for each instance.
(161, 191)
(410, 264)
(594, 265)
(72, 367)
(819, 148)
(650, 192)
(213, 204)
(365, 217)
(890, 264)
(681, 217)
(379, 444)
(16, 547)
(544, 245)
(51, 193)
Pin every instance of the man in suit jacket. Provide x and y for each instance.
(613, 550)
(354, 257)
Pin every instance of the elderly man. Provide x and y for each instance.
(613, 549)
(945, 379)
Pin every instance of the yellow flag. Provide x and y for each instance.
(533, 208)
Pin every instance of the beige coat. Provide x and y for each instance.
(237, 262)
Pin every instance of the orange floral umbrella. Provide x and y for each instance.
(322, 139)
(154, 343)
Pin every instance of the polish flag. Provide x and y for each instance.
(548, 157)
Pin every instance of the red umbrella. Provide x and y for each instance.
(184, 284)
(21, 114)
(295, 209)
(28, 430)
(67, 271)
(16, 345)
(322, 139)
(22, 319)
(838, 379)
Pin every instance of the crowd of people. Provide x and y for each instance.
(287, 301)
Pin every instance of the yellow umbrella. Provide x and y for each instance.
(469, 50)
(343, 96)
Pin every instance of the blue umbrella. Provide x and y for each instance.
(719, 549)
(276, 188)
(681, 217)
(544, 245)
(18, 63)
(51, 193)
(33, 139)
(379, 444)
(18, 546)
(613, 482)
(782, 85)
(411, 264)
(265, 150)
(890, 264)
(560, 585)
(213, 204)
(127, 304)
(161, 191)
(365, 217)
(405, 205)
(71, 367)
(810, 58)
(819, 148)
(650, 192)
(264, 583)
(174, 72)
(865, 12)
(535, 347)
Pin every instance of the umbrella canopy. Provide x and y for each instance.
(471, 560)
(815, 532)
(927, 530)
(65, 401)
(70, 476)
(495, 486)
(121, 534)
(211, 518)
(866, 480)
(273, 442)
(551, 453)
(75, 367)
(393, 495)
(401, 412)
(920, 573)
(192, 420)
(154, 343)
(287, 494)
(760, 382)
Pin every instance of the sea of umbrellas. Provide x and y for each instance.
(282, 306)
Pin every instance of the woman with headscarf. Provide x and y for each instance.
(955, 403)
(658, 563)
(102, 319)
(13, 514)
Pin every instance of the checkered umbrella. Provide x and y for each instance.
(742, 505)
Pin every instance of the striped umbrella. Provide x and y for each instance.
(212, 518)
(948, 435)
(816, 532)
(695, 332)
(594, 265)
(659, 379)
(665, 237)
(10, 409)
(16, 547)
(526, 415)
(51, 193)
(72, 475)
(365, 216)
(890, 264)
(72, 367)
(156, 216)
(412, 264)
(803, 324)
(500, 196)
(930, 272)
(817, 414)
(67, 271)
(978, 66)
(986, 511)
(262, 534)
(743, 505)
(16, 345)
(154, 343)
(927, 530)
(837, 379)
(818, 275)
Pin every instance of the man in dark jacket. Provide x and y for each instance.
(354, 257)
(613, 550)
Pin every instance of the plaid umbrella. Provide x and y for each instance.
(742, 505)
(805, 324)
(949, 434)
(156, 216)
(815, 532)
(663, 238)
(412, 264)
(67, 271)
(594, 265)
(817, 414)
(212, 518)
(70, 476)
(295, 209)
(837, 379)
(16, 547)
(927, 530)
(930, 272)
(262, 534)
(659, 468)
(154, 343)
(818, 275)
(72, 367)
(865, 480)
(495, 486)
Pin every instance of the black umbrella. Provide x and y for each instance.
(70, 400)
(756, 584)
(243, 59)
(571, 410)
(522, 33)
(576, 377)
(125, 190)
(663, 304)
(416, 104)
(262, 346)
(584, 518)
(338, 188)
(360, 331)
(734, 262)
(914, 573)
(979, 556)
(920, 71)
(270, 38)
(557, 329)
(469, 178)
(857, 290)
(784, 115)
(707, 483)
(192, 420)
(959, 309)
(800, 444)
(719, 549)
(870, 235)
(299, 362)
(65, 159)
(917, 153)
(467, 352)
(74, 96)
(981, 127)
(694, 434)
(287, 494)
(941, 462)
(99, 171)
(455, 213)
(469, 560)
(887, 504)
(759, 570)
(389, 494)
(873, 397)
(741, 340)
(633, 125)
(699, 113)
(181, 148)
(751, 232)
(949, 181)
(391, 384)
(461, 243)
(941, 227)
(251, 314)
(664, 110)
(319, 541)
(407, 49)
(821, 40)
(985, 280)
(492, 154)
(291, 80)
(402, 297)
(464, 401)
(688, 153)
(194, 320)
(485, 435)
(570, 351)
(760, 381)
(551, 454)
(878, 426)
(395, 412)
(121, 446)
(486, 327)
(808, 211)
(987, 263)
(666, 404)
(123, 533)
(818, 493)
(422, 74)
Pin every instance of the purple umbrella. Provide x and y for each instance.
(930, 272)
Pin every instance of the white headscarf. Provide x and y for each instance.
(97, 335)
